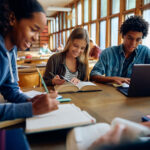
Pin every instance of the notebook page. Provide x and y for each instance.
(68, 115)
(33, 93)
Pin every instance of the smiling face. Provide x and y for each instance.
(77, 47)
(26, 31)
(131, 40)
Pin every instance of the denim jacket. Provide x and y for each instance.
(112, 59)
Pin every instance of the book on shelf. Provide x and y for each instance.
(80, 87)
(81, 138)
(67, 116)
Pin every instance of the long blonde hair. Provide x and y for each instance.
(80, 33)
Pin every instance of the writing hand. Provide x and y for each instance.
(57, 80)
(45, 103)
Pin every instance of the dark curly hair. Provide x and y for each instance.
(135, 23)
(20, 8)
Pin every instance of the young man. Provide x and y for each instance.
(115, 63)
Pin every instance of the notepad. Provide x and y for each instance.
(67, 116)
(81, 138)
(33, 93)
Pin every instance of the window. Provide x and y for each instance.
(93, 31)
(53, 41)
(51, 26)
(86, 27)
(94, 9)
(102, 34)
(129, 15)
(103, 8)
(54, 23)
(56, 40)
(64, 20)
(60, 38)
(114, 31)
(64, 38)
(79, 10)
(146, 2)
(146, 16)
(60, 21)
(68, 33)
(73, 16)
(57, 24)
(130, 4)
(115, 6)
(68, 20)
(86, 11)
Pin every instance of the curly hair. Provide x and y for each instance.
(134, 23)
(20, 8)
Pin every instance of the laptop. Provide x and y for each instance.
(140, 82)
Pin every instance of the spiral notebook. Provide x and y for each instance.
(67, 116)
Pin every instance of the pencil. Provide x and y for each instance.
(51, 74)
(45, 87)
(66, 79)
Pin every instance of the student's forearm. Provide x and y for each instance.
(102, 79)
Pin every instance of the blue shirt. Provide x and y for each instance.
(18, 106)
(112, 59)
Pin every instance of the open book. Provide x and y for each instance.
(81, 138)
(67, 116)
(80, 87)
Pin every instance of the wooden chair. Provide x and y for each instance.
(29, 79)
(19, 62)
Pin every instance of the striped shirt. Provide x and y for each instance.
(69, 75)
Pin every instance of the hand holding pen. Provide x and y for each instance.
(56, 79)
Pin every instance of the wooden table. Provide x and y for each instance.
(103, 105)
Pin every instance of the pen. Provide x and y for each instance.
(45, 87)
(66, 79)
(61, 76)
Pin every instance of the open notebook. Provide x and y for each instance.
(67, 116)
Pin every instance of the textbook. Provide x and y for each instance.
(81, 138)
(67, 116)
(80, 87)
